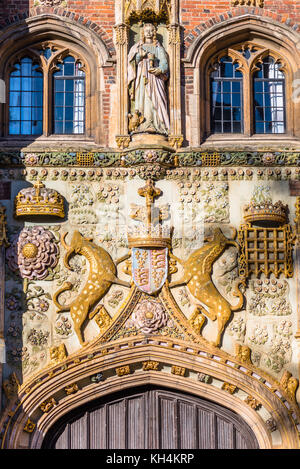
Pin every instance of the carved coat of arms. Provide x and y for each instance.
(150, 243)
(149, 268)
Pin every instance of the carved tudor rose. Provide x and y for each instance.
(149, 316)
(33, 252)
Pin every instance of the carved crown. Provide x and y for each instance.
(149, 236)
(266, 211)
(39, 200)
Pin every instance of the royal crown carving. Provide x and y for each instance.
(148, 233)
(150, 236)
(39, 200)
(266, 211)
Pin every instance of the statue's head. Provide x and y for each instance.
(148, 32)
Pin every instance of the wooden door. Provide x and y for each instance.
(151, 419)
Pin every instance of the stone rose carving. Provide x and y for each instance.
(32, 253)
(149, 316)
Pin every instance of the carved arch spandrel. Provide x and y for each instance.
(68, 386)
(61, 34)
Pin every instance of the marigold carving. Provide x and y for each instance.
(48, 405)
(29, 426)
(71, 389)
(252, 402)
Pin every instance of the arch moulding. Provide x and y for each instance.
(265, 406)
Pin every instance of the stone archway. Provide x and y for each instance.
(150, 418)
(259, 400)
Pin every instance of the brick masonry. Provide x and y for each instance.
(196, 16)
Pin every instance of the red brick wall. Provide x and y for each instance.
(194, 12)
(195, 16)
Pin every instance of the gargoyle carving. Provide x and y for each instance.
(197, 277)
(102, 274)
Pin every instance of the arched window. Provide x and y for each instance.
(26, 98)
(269, 97)
(246, 85)
(226, 85)
(69, 98)
(47, 93)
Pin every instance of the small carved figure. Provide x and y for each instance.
(243, 353)
(289, 384)
(134, 120)
(197, 277)
(58, 353)
(102, 274)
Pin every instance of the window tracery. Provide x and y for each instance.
(247, 88)
(46, 92)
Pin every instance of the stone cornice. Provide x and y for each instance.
(163, 156)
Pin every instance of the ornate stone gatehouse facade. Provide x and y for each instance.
(149, 224)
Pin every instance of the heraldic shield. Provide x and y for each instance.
(149, 268)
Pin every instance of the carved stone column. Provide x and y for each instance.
(297, 261)
(175, 138)
(121, 41)
(3, 244)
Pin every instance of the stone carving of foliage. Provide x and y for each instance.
(273, 351)
(26, 327)
(63, 326)
(184, 297)
(78, 264)
(83, 217)
(280, 352)
(269, 297)
(81, 200)
(259, 335)
(109, 193)
(237, 328)
(115, 298)
(209, 201)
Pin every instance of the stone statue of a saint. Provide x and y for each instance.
(148, 70)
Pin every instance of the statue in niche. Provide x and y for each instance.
(148, 71)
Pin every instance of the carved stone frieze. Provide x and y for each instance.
(252, 402)
(150, 365)
(71, 389)
(48, 405)
(230, 388)
(178, 370)
(123, 370)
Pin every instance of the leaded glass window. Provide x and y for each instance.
(69, 98)
(26, 99)
(269, 98)
(226, 83)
